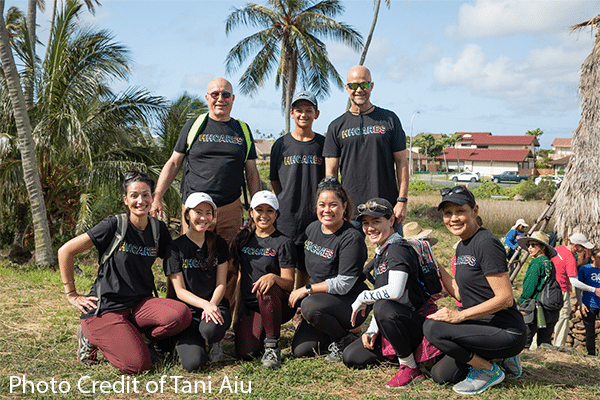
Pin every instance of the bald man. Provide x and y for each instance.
(215, 163)
(369, 146)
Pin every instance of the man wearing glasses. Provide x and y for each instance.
(214, 164)
(368, 144)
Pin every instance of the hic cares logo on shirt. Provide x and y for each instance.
(469, 260)
(594, 276)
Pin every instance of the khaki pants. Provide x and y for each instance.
(561, 330)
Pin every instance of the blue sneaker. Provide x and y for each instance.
(512, 366)
(479, 380)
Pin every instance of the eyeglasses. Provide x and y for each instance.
(215, 95)
(532, 245)
(456, 189)
(373, 206)
(329, 181)
(363, 85)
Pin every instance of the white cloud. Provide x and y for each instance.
(486, 18)
(410, 67)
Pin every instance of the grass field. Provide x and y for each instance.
(38, 343)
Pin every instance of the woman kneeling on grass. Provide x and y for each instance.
(397, 297)
(335, 255)
(120, 317)
(268, 260)
(489, 326)
(196, 264)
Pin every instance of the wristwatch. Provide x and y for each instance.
(308, 288)
(402, 199)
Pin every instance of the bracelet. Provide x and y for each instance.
(402, 199)
(74, 290)
(71, 281)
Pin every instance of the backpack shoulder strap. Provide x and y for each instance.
(117, 239)
(155, 225)
(246, 131)
(194, 131)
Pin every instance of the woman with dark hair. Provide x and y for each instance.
(397, 297)
(335, 255)
(267, 261)
(196, 265)
(589, 274)
(489, 326)
(540, 269)
(120, 317)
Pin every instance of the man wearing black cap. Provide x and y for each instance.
(297, 167)
(369, 146)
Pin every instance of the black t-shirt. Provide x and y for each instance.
(261, 256)
(126, 278)
(298, 167)
(400, 256)
(215, 163)
(200, 278)
(341, 253)
(365, 145)
(481, 255)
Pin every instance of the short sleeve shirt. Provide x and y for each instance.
(298, 167)
(341, 253)
(126, 278)
(262, 256)
(566, 266)
(365, 145)
(200, 278)
(215, 163)
(590, 275)
(400, 256)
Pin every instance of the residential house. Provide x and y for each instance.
(562, 148)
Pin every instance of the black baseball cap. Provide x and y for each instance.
(376, 208)
(458, 195)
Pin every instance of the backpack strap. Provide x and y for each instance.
(155, 225)
(199, 125)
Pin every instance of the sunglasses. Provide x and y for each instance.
(215, 95)
(363, 85)
(533, 245)
(456, 189)
(373, 206)
(133, 175)
(329, 181)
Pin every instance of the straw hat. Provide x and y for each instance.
(412, 230)
(539, 237)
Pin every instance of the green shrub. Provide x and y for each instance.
(421, 186)
(489, 189)
(530, 191)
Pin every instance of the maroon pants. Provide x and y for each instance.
(118, 334)
(253, 326)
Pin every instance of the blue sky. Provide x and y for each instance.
(503, 66)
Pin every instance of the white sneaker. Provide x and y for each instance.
(479, 380)
(215, 352)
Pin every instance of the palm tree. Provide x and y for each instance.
(577, 202)
(290, 41)
(85, 135)
(43, 243)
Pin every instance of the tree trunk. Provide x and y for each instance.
(29, 77)
(51, 30)
(43, 243)
(18, 254)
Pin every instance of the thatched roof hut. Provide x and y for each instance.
(578, 198)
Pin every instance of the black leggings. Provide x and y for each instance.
(191, 343)
(589, 322)
(400, 325)
(459, 342)
(326, 319)
(544, 335)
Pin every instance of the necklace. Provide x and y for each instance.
(364, 112)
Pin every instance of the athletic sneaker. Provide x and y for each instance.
(336, 349)
(86, 352)
(272, 357)
(512, 366)
(478, 380)
(215, 352)
(405, 376)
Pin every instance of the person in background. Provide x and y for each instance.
(267, 260)
(297, 167)
(540, 269)
(335, 254)
(590, 302)
(489, 326)
(510, 240)
(196, 265)
(566, 275)
(120, 317)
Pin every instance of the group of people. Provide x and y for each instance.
(299, 249)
